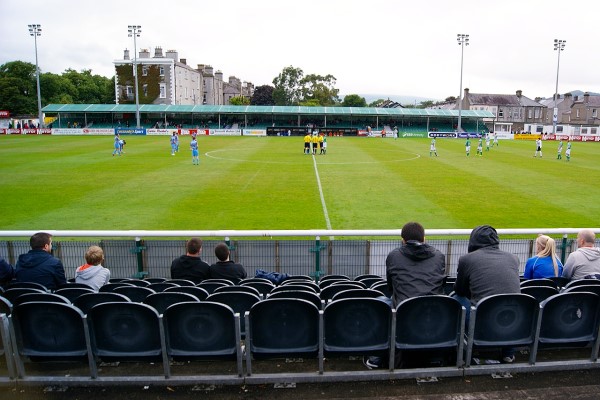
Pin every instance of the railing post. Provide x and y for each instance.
(138, 250)
(317, 250)
(563, 251)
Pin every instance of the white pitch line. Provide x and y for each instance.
(327, 221)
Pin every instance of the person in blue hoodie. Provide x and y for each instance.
(92, 273)
(7, 272)
(38, 265)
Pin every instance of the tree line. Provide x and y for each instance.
(18, 93)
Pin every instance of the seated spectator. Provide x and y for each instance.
(92, 273)
(7, 272)
(585, 261)
(545, 264)
(38, 265)
(190, 266)
(225, 268)
(484, 271)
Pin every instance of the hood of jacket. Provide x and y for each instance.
(87, 271)
(591, 253)
(483, 236)
(186, 261)
(33, 258)
(416, 250)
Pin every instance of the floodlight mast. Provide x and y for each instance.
(35, 30)
(463, 40)
(135, 31)
(559, 46)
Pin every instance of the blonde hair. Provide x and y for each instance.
(548, 249)
(94, 255)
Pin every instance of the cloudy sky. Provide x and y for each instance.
(392, 47)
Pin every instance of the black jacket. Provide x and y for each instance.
(228, 270)
(41, 267)
(415, 269)
(190, 268)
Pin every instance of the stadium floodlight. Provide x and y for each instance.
(134, 31)
(35, 30)
(559, 45)
(463, 40)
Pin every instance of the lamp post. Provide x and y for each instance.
(463, 40)
(559, 45)
(134, 31)
(35, 30)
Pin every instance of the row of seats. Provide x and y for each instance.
(283, 327)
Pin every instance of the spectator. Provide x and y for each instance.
(484, 271)
(585, 261)
(190, 266)
(38, 265)
(413, 269)
(92, 273)
(7, 272)
(545, 264)
(225, 268)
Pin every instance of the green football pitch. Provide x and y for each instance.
(267, 183)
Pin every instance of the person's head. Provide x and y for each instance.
(94, 255)
(41, 241)
(545, 246)
(413, 231)
(483, 236)
(586, 238)
(222, 252)
(193, 247)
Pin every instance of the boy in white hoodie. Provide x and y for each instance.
(93, 273)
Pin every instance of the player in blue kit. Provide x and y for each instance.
(117, 145)
(194, 148)
(173, 142)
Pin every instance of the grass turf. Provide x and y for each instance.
(62, 182)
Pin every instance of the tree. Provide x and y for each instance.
(263, 96)
(319, 88)
(18, 92)
(287, 85)
(239, 101)
(425, 104)
(354, 100)
(450, 99)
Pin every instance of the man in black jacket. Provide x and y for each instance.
(226, 268)
(190, 266)
(38, 265)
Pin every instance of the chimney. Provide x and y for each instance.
(219, 75)
(519, 93)
(183, 61)
(126, 54)
(144, 53)
(158, 52)
(172, 54)
(586, 97)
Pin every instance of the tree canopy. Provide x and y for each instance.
(354, 100)
(292, 87)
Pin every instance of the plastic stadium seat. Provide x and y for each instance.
(295, 287)
(359, 326)
(383, 288)
(329, 282)
(540, 293)
(365, 276)
(71, 285)
(263, 287)
(73, 293)
(357, 293)
(163, 300)
(328, 292)
(211, 286)
(538, 282)
(26, 285)
(368, 282)
(298, 294)
(325, 278)
(313, 285)
(560, 281)
(502, 320)
(225, 281)
(161, 286)
(5, 306)
(584, 288)
(110, 287)
(254, 280)
(127, 331)
(136, 294)
(49, 331)
(357, 284)
(203, 330)
(581, 282)
(86, 301)
(199, 292)
(137, 282)
(12, 294)
(181, 282)
(430, 323)
(240, 302)
(283, 328)
(155, 280)
(567, 319)
(41, 297)
(237, 288)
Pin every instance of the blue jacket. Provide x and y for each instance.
(541, 267)
(41, 267)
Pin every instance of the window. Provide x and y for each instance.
(577, 116)
(537, 113)
(594, 113)
(129, 92)
(593, 131)
(559, 129)
(500, 113)
(144, 70)
(145, 89)
(161, 71)
(584, 131)
(163, 91)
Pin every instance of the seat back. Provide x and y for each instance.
(297, 294)
(357, 326)
(297, 282)
(357, 293)
(198, 292)
(86, 301)
(237, 288)
(136, 294)
(240, 302)
(12, 294)
(295, 287)
(26, 285)
(369, 281)
(181, 282)
(328, 292)
(162, 286)
(41, 297)
(338, 277)
(584, 288)
(70, 285)
(110, 287)
(538, 282)
(220, 280)
(162, 300)
(74, 292)
(541, 292)
(137, 282)
(263, 287)
(210, 287)
(569, 317)
(581, 282)
(383, 288)
(155, 280)
(430, 322)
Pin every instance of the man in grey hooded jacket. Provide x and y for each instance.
(585, 261)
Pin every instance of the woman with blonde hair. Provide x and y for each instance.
(545, 264)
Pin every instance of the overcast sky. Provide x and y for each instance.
(392, 47)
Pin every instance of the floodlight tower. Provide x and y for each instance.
(559, 46)
(134, 31)
(463, 40)
(35, 30)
